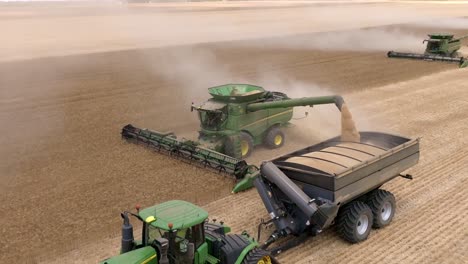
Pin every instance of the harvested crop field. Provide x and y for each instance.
(66, 174)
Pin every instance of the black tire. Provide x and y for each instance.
(232, 147)
(257, 255)
(246, 144)
(355, 222)
(271, 138)
(383, 205)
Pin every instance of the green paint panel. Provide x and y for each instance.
(181, 214)
(143, 255)
(246, 251)
(201, 254)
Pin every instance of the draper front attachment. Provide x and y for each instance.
(189, 150)
(462, 62)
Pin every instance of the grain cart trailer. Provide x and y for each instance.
(333, 182)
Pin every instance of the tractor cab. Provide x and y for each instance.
(175, 230)
(172, 233)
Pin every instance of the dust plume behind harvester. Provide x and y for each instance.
(237, 118)
(440, 47)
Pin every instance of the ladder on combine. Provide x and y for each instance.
(189, 150)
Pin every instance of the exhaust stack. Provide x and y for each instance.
(127, 234)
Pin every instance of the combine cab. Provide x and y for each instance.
(440, 47)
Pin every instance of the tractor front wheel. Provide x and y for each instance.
(259, 256)
(274, 138)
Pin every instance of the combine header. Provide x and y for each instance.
(190, 150)
(440, 47)
(236, 118)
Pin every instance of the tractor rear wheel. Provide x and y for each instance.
(382, 203)
(246, 144)
(355, 221)
(274, 138)
(259, 256)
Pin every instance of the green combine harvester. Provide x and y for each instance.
(440, 47)
(236, 118)
(178, 232)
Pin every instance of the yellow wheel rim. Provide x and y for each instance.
(265, 260)
(278, 140)
(244, 148)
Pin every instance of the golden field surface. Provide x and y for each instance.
(72, 75)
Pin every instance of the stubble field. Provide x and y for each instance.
(66, 174)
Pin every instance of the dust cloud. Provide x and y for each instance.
(446, 23)
(365, 40)
(192, 69)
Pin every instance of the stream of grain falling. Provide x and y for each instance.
(348, 128)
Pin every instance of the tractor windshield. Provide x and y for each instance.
(155, 233)
(212, 119)
(182, 242)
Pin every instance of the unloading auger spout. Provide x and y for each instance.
(306, 101)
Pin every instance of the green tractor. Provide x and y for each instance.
(236, 118)
(440, 47)
(178, 232)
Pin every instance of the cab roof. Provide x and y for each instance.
(441, 36)
(181, 214)
(212, 105)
